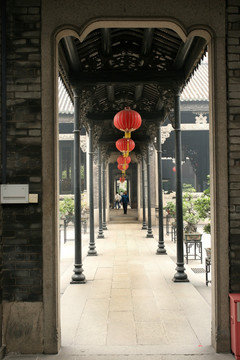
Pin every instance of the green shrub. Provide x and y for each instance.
(66, 209)
(193, 209)
(190, 214)
(203, 206)
(170, 208)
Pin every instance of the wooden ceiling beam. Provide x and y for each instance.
(182, 53)
(71, 53)
(147, 41)
(146, 49)
(110, 93)
(108, 116)
(138, 92)
(159, 104)
(106, 41)
(196, 52)
(168, 79)
(107, 49)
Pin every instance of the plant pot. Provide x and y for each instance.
(208, 253)
(191, 236)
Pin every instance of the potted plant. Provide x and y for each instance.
(66, 209)
(190, 214)
(203, 207)
(84, 211)
(170, 209)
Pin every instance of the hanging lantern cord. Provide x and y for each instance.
(127, 134)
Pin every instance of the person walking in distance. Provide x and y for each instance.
(125, 201)
(117, 201)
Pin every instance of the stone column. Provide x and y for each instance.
(92, 251)
(100, 229)
(104, 225)
(78, 276)
(85, 171)
(161, 247)
(180, 275)
(149, 230)
(144, 225)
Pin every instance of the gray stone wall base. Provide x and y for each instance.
(2, 352)
(23, 327)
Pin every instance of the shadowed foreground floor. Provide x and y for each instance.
(130, 308)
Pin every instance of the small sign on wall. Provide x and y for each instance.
(14, 193)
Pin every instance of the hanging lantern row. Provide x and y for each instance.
(123, 160)
(123, 167)
(125, 146)
(127, 120)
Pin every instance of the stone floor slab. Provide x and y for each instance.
(121, 303)
(151, 333)
(121, 328)
(130, 308)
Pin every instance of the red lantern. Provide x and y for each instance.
(127, 120)
(122, 179)
(123, 166)
(123, 160)
(174, 169)
(125, 145)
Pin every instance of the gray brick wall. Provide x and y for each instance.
(233, 74)
(22, 224)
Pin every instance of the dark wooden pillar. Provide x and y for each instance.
(92, 247)
(180, 275)
(144, 225)
(100, 228)
(78, 276)
(161, 247)
(149, 229)
(104, 194)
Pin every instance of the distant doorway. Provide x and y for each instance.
(121, 187)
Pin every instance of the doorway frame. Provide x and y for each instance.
(218, 171)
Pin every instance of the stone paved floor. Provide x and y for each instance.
(130, 308)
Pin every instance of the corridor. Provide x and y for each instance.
(130, 308)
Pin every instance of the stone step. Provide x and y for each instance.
(123, 221)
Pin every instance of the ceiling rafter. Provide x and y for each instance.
(107, 50)
(122, 67)
(198, 49)
(146, 49)
(108, 115)
(166, 78)
(182, 53)
(72, 53)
